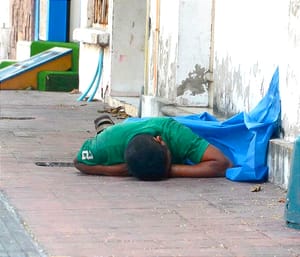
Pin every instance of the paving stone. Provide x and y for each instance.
(14, 239)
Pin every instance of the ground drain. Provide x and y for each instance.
(17, 118)
(55, 164)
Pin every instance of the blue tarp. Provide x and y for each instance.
(244, 137)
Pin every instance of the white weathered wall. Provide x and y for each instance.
(167, 49)
(5, 28)
(4, 14)
(127, 47)
(252, 38)
(43, 19)
(179, 46)
(194, 36)
(75, 7)
(291, 92)
(86, 14)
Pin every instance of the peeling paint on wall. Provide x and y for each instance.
(184, 31)
(237, 89)
(229, 94)
(167, 68)
(163, 63)
(295, 8)
(294, 23)
(193, 91)
(291, 114)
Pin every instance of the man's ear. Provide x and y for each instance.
(159, 140)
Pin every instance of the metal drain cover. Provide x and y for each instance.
(55, 164)
(16, 118)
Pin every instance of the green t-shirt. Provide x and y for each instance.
(108, 147)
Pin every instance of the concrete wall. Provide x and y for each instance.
(4, 13)
(21, 23)
(42, 30)
(179, 50)
(5, 28)
(163, 48)
(250, 42)
(127, 47)
(291, 92)
(75, 7)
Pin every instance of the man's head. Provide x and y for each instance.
(148, 157)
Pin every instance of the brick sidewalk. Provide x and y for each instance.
(14, 239)
(74, 215)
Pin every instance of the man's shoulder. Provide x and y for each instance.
(162, 119)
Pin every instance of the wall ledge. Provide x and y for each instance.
(279, 161)
(95, 36)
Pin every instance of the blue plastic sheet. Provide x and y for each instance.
(244, 137)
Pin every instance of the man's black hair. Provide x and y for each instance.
(146, 158)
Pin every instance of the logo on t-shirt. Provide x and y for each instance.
(87, 155)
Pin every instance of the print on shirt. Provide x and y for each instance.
(87, 155)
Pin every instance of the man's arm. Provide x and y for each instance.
(112, 170)
(213, 164)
